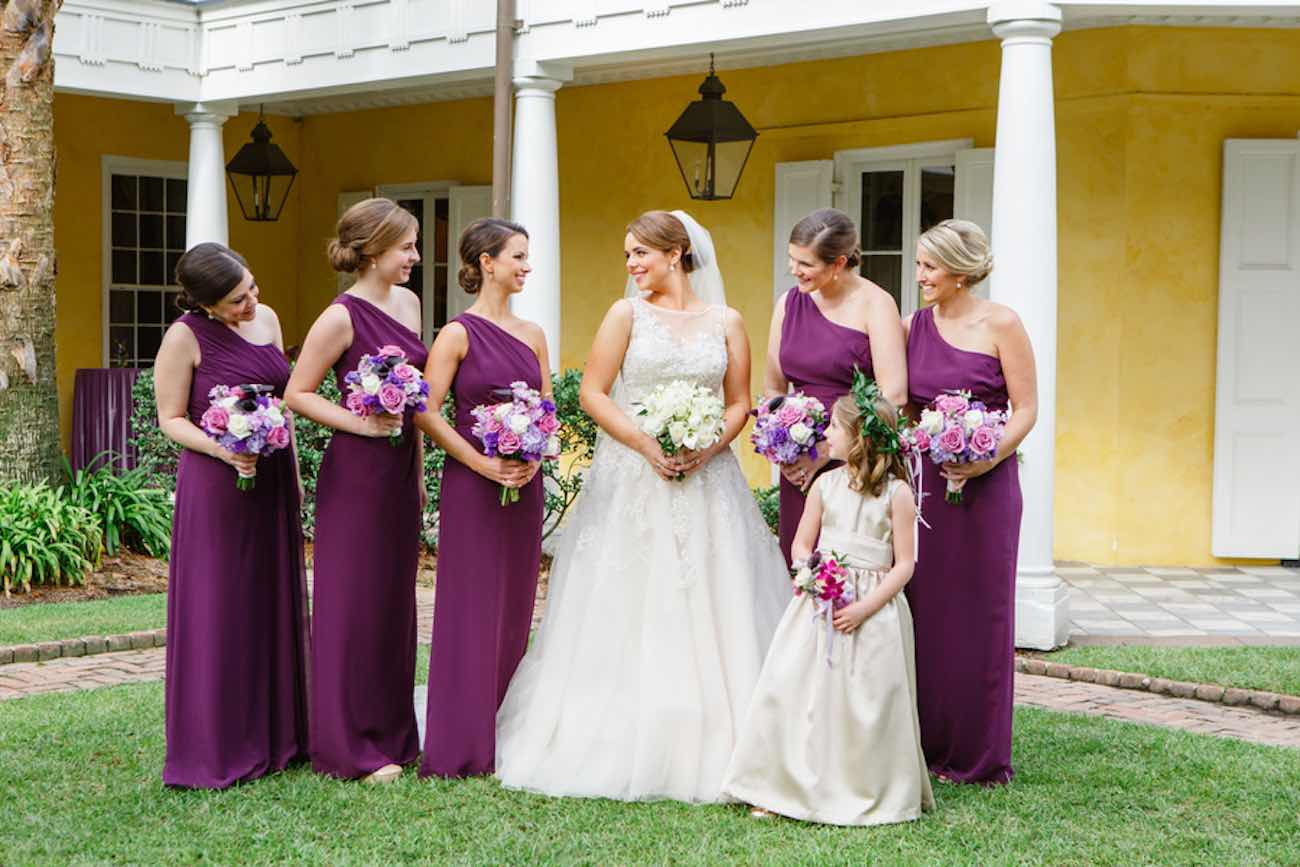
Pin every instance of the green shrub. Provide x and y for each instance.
(769, 503)
(132, 513)
(156, 455)
(44, 538)
(577, 437)
(311, 439)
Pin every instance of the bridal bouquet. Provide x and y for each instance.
(522, 427)
(956, 429)
(681, 416)
(385, 382)
(247, 420)
(788, 427)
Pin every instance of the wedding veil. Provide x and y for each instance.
(706, 278)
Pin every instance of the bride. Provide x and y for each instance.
(665, 593)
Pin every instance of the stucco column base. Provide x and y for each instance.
(1042, 612)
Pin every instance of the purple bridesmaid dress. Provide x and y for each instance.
(817, 358)
(366, 554)
(488, 557)
(963, 591)
(236, 685)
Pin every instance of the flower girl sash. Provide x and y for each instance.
(858, 551)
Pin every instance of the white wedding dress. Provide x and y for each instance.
(663, 599)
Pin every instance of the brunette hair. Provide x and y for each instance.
(488, 235)
(830, 234)
(207, 273)
(962, 249)
(661, 231)
(365, 230)
(869, 469)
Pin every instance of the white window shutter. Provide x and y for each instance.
(465, 205)
(973, 198)
(346, 200)
(1257, 393)
(801, 188)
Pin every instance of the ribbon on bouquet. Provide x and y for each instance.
(918, 494)
(825, 609)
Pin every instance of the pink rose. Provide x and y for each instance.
(357, 403)
(405, 373)
(215, 418)
(949, 404)
(789, 415)
(920, 440)
(548, 424)
(492, 424)
(952, 440)
(390, 349)
(983, 442)
(508, 443)
(392, 398)
(278, 437)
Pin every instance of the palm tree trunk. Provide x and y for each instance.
(29, 407)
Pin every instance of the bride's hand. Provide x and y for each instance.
(687, 462)
(665, 466)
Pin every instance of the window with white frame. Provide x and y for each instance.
(429, 204)
(144, 237)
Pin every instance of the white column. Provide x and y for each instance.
(205, 206)
(535, 194)
(1024, 255)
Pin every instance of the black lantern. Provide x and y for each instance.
(711, 141)
(261, 176)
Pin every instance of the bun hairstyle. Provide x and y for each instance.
(962, 248)
(488, 235)
(365, 230)
(869, 469)
(661, 231)
(207, 273)
(830, 234)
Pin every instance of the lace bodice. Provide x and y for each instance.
(666, 345)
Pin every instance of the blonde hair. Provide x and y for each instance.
(661, 231)
(961, 247)
(367, 229)
(869, 469)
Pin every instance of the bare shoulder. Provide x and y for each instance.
(731, 316)
(620, 312)
(907, 323)
(266, 313)
(533, 335)
(778, 309)
(1002, 319)
(179, 335)
(453, 335)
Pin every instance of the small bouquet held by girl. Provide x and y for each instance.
(788, 427)
(246, 420)
(521, 427)
(956, 429)
(681, 416)
(386, 383)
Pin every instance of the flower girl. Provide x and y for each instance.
(832, 732)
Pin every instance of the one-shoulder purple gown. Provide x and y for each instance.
(366, 554)
(488, 557)
(817, 358)
(963, 590)
(236, 685)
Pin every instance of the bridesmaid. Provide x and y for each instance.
(488, 555)
(830, 321)
(236, 685)
(963, 592)
(369, 496)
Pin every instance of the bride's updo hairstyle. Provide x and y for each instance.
(366, 230)
(660, 230)
(962, 248)
(488, 235)
(207, 273)
(830, 234)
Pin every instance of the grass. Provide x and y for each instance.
(55, 620)
(1276, 669)
(81, 774)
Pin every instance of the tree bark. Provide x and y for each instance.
(29, 406)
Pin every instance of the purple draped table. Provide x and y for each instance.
(101, 415)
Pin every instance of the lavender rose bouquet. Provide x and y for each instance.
(246, 420)
(385, 382)
(788, 427)
(956, 429)
(521, 427)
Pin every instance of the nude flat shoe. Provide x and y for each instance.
(386, 774)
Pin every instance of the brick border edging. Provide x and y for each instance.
(86, 646)
(1209, 692)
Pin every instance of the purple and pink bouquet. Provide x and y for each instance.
(522, 427)
(385, 382)
(788, 427)
(246, 420)
(824, 578)
(956, 429)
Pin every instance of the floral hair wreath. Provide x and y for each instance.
(865, 393)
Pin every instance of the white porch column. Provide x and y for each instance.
(535, 194)
(205, 205)
(1024, 255)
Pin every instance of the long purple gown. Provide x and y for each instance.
(817, 358)
(236, 685)
(366, 554)
(963, 590)
(488, 557)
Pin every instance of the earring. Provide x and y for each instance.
(211, 315)
(672, 267)
(958, 284)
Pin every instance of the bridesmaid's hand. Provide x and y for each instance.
(850, 617)
(378, 426)
(424, 495)
(960, 474)
(245, 465)
(802, 471)
(503, 471)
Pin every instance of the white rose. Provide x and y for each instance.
(519, 423)
(801, 433)
(503, 413)
(931, 421)
(677, 431)
(553, 446)
(691, 440)
(370, 384)
(653, 424)
(227, 403)
(239, 426)
(973, 419)
(274, 415)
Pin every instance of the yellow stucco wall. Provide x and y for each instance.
(1141, 116)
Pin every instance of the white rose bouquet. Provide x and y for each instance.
(681, 416)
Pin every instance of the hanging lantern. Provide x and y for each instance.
(711, 142)
(261, 176)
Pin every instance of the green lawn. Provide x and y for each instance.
(1276, 669)
(55, 620)
(81, 779)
